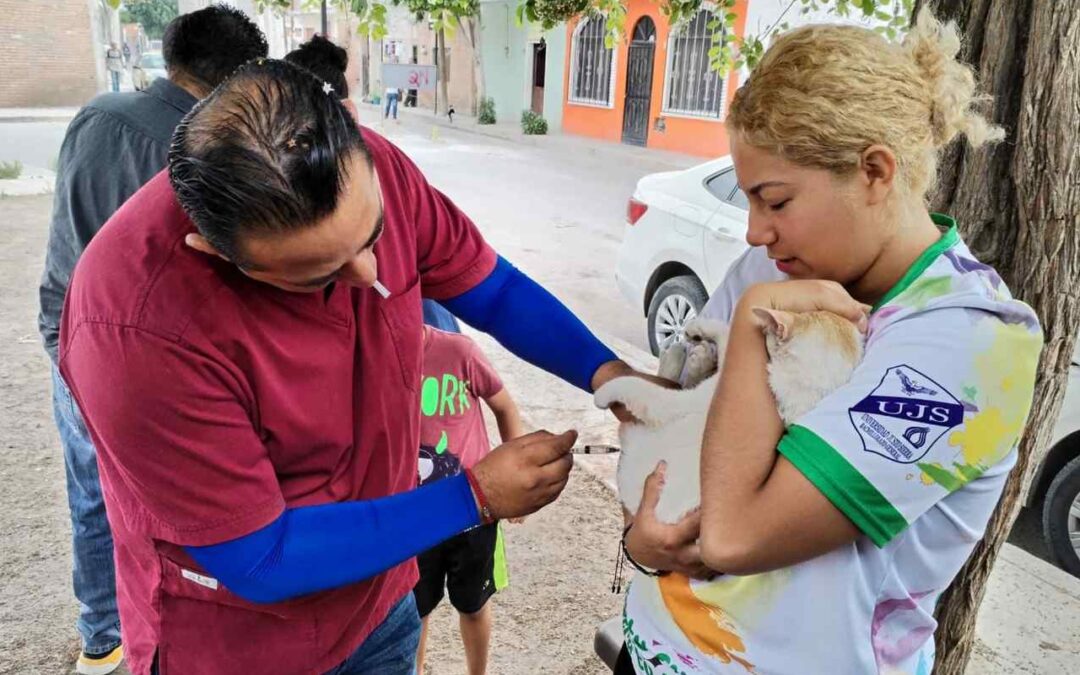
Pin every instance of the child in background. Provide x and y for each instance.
(472, 565)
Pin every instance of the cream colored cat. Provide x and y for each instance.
(810, 355)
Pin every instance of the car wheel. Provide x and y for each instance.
(1061, 517)
(676, 302)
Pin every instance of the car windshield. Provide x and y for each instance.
(152, 61)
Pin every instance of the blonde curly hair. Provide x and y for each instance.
(823, 94)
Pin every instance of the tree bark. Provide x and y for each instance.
(444, 72)
(1018, 205)
(471, 25)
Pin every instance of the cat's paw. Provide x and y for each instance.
(672, 361)
(633, 392)
(700, 363)
(611, 393)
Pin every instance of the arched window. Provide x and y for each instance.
(593, 64)
(690, 86)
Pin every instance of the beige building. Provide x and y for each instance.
(54, 51)
(409, 41)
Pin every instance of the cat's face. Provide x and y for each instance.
(808, 333)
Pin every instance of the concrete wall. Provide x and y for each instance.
(503, 54)
(554, 93)
(54, 51)
(508, 62)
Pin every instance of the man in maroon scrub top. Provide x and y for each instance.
(244, 337)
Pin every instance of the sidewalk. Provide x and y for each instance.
(509, 129)
(1029, 621)
(37, 114)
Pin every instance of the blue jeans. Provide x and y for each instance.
(391, 105)
(93, 573)
(391, 648)
(115, 80)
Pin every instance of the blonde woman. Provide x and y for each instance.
(823, 548)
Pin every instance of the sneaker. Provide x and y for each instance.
(99, 665)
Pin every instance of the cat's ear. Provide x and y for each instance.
(775, 321)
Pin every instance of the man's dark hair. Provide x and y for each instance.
(326, 60)
(208, 45)
(267, 152)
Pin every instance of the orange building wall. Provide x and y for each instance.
(703, 137)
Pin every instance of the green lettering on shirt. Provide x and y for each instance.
(429, 396)
(449, 391)
(437, 396)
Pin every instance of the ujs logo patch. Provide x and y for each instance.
(905, 415)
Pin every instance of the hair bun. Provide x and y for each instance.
(933, 47)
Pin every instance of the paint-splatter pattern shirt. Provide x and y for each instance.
(914, 450)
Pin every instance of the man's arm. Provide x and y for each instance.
(315, 548)
(535, 326)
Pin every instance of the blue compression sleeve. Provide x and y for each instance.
(532, 324)
(314, 548)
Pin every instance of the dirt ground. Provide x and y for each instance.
(561, 560)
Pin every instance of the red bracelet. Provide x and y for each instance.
(485, 511)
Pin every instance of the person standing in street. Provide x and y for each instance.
(112, 147)
(392, 96)
(114, 63)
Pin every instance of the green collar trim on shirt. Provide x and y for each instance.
(947, 241)
(842, 484)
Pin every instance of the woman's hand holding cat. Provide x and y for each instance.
(806, 295)
(660, 546)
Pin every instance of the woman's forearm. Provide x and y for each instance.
(739, 447)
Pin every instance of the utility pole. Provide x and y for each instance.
(324, 19)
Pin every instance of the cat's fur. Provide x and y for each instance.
(810, 355)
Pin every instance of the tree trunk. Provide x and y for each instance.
(444, 72)
(365, 76)
(1018, 205)
(472, 30)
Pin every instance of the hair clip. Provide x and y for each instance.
(327, 88)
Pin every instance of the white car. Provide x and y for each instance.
(685, 228)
